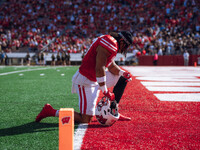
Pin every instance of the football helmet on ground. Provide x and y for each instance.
(106, 112)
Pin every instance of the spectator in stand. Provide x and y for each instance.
(160, 51)
(6, 59)
(83, 54)
(135, 57)
(63, 57)
(2, 58)
(186, 58)
(53, 60)
(42, 59)
(143, 52)
(0, 46)
(155, 59)
(58, 59)
(39, 58)
(28, 59)
(68, 62)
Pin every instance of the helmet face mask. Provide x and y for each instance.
(126, 37)
(106, 112)
(124, 48)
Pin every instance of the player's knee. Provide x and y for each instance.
(86, 118)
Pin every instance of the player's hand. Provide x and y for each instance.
(109, 95)
(127, 76)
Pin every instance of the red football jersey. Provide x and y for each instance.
(88, 65)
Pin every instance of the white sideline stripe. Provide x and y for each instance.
(171, 83)
(184, 79)
(7, 73)
(174, 89)
(79, 135)
(177, 74)
(179, 97)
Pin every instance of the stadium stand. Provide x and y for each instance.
(166, 27)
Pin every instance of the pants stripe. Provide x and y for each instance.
(85, 100)
(80, 95)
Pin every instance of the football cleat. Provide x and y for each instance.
(114, 107)
(47, 111)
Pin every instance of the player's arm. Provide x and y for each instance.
(120, 86)
(101, 60)
(116, 70)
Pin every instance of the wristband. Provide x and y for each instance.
(121, 72)
(103, 88)
(101, 79)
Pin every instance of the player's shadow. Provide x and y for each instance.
(28, 128)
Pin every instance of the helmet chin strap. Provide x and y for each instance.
(123, 50)
(119, 43)
(121, 40)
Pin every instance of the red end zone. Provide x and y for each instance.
(154, 125)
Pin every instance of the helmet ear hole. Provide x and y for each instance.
(104, 112)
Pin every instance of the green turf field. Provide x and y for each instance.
(23, 93)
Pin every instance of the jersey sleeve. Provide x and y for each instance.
(109, 43)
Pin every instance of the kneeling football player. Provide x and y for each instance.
(98, 71)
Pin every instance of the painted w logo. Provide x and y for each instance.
(65, 120)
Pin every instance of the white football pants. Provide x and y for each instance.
(88, 91)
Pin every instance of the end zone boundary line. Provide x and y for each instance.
(79, 135)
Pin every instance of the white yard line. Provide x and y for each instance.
(171, 83)
(179, 97)
(170, 79)
(174, 89)
(79, 135)
(13, 72)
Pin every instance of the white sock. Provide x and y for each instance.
(57, 113)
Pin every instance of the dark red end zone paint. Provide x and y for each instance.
(154, 125)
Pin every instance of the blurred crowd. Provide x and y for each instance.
(166, 27)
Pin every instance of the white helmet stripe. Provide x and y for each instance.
(127, 42)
